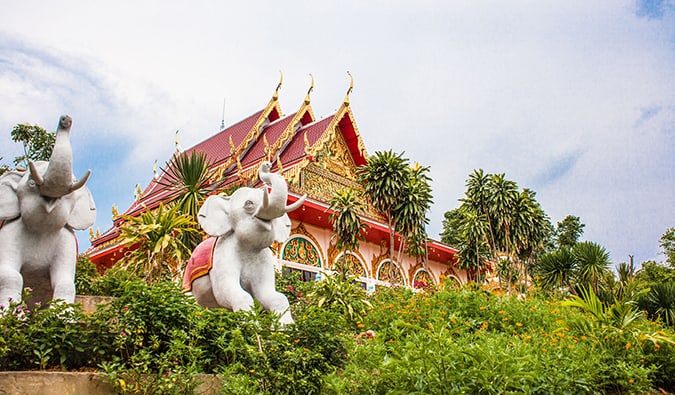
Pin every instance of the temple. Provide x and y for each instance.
(317, 158)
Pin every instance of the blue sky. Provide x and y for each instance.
(573, 99)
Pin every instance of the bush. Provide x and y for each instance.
(155, 339)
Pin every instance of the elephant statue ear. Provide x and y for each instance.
(9, 201)
(83, 214)
(281, 228)
(214, 215)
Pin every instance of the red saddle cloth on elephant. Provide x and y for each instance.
(200, 262)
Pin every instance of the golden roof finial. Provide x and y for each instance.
(351, 87)
(138, 193)
(154, 170)
(281, 81)
(232, 147)
(178, 147)
(281, 168)
(311, 88)
(114, 211)
(91, 233)
(306, 140)
(266, 150)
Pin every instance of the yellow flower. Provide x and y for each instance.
(628, 345)
(519, 324)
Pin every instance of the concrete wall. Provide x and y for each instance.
(76, 383)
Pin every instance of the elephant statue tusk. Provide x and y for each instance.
(295, 204)
(35, 174)
(79, 184)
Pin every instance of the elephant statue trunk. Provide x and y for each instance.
(58, 179)
(274, 203)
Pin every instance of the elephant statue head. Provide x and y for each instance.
(39, 209)
(255, 216)
(243, 225)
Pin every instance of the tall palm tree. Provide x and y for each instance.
(502, 205)
(384, 179)
(347, 224)
(159, 250)
(477, 197)
(411, 212)
(592, 262)
(474, 251)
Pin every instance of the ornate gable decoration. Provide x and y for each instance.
(335, 157)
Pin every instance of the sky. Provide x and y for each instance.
(572, 99)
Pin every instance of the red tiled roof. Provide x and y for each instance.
(217, 147)
(295, 150)
(272, 133)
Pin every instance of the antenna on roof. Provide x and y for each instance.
(222, 120)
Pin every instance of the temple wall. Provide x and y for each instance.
(371, 256)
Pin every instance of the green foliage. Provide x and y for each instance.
(85, 275)
(667, 243)
(49, 337)
(153, 339)
(342, 294)
(463, 341)
(659, 302)
(160, 253)
(37, 143)
(568, 231)
(497, 221)
(403, 194)
(347, 224)
(188, 175)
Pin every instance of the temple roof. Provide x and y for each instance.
(291, 142)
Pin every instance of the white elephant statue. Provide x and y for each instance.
(39, 210)
(243, 225)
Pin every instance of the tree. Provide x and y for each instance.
(158, 250)
(37, 143)
(347, 224)
(495, 217)
(667, 242)
(384, 179)
(556, 270)
(592, 262)
(188, 174)
(568, 231)
(3, 167)
(411, 212)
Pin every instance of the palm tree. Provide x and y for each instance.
(477, 197)
(188, 175)
(158, 251)
(384, 179)
(592, 262)
(474, 251)
(347, 224)
(556, 269)
(660, 302)
(502, 205)
(411, 212)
